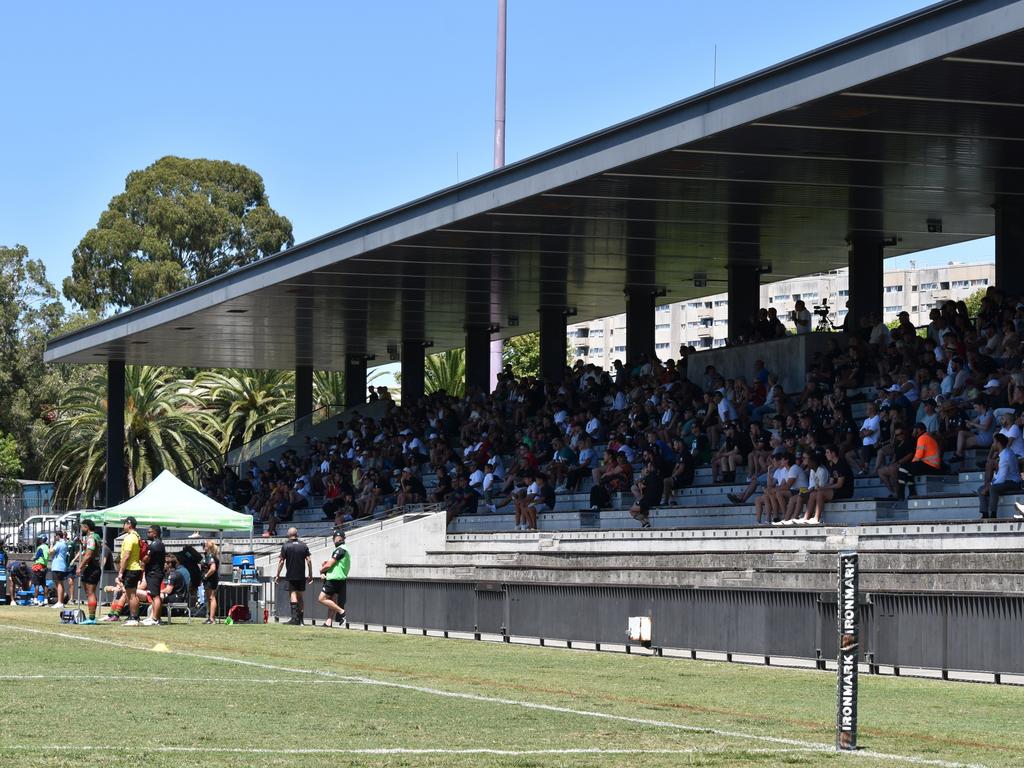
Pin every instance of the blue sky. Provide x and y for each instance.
(349, 108)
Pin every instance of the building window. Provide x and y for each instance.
(662, 326)
(663, 345)
(663, 308)
(620, 349)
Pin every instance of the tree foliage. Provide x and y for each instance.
(973, 302)
(522, 354)
(30, 313)
(246, 403)
(445, 371)
(165, 428)
(178, 222)
(10, 463)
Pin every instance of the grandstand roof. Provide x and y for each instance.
(871, 136)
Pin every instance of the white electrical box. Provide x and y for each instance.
(640, 630)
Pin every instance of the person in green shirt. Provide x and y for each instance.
(40, 562)
(89, 568)
(335, 574)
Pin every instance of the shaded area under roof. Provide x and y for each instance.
(867, 138)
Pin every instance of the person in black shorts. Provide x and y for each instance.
(297, 564)
(211, 578)
(89, 570)
(153, 565)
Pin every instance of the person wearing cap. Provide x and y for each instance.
(410, 489)
(334, 573)
(995, 394)
(129, 572)
(978, 432)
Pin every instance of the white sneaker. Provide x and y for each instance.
(149, 622)
(58, 606)
(110, 618)
(131, 623)
(1020, 510)
(788, 521)
(195, 535)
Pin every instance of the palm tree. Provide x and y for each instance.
(247, 402)
(445, 371)
(165, 428)
(328, 388)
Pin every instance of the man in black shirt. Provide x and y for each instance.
(903, 448)
(298, 566)
(153, 566)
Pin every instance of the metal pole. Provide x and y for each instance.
(498, 345)
(499, 91)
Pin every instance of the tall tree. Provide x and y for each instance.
(178, 222)
(246, 402)
(30, 312)
(165, 428)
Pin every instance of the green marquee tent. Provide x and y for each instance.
(170, 503)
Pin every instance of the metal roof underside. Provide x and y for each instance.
(867, 138)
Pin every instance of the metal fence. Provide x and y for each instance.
(944, 632)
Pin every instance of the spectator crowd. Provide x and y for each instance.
(640, 432)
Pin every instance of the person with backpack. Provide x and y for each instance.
(335, 576)
(129, 572)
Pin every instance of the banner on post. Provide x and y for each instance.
(848, 624)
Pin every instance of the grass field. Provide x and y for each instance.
(310, 696)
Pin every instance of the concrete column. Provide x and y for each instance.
(355, 380)
(478, 357)
(866, 280)
(115, 432)
(413, 355)
(744, 299)
(303, 390)
(1010, 247)
(552, 343)
(639, 323)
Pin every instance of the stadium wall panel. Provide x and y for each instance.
(941, 631)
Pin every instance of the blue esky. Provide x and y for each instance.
(350, 108)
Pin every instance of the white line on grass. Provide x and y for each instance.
(808, 745)
(398, 750)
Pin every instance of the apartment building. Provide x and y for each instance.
(703, 322)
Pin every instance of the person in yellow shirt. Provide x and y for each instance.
(129, 572)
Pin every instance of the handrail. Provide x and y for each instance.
(275, 438)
